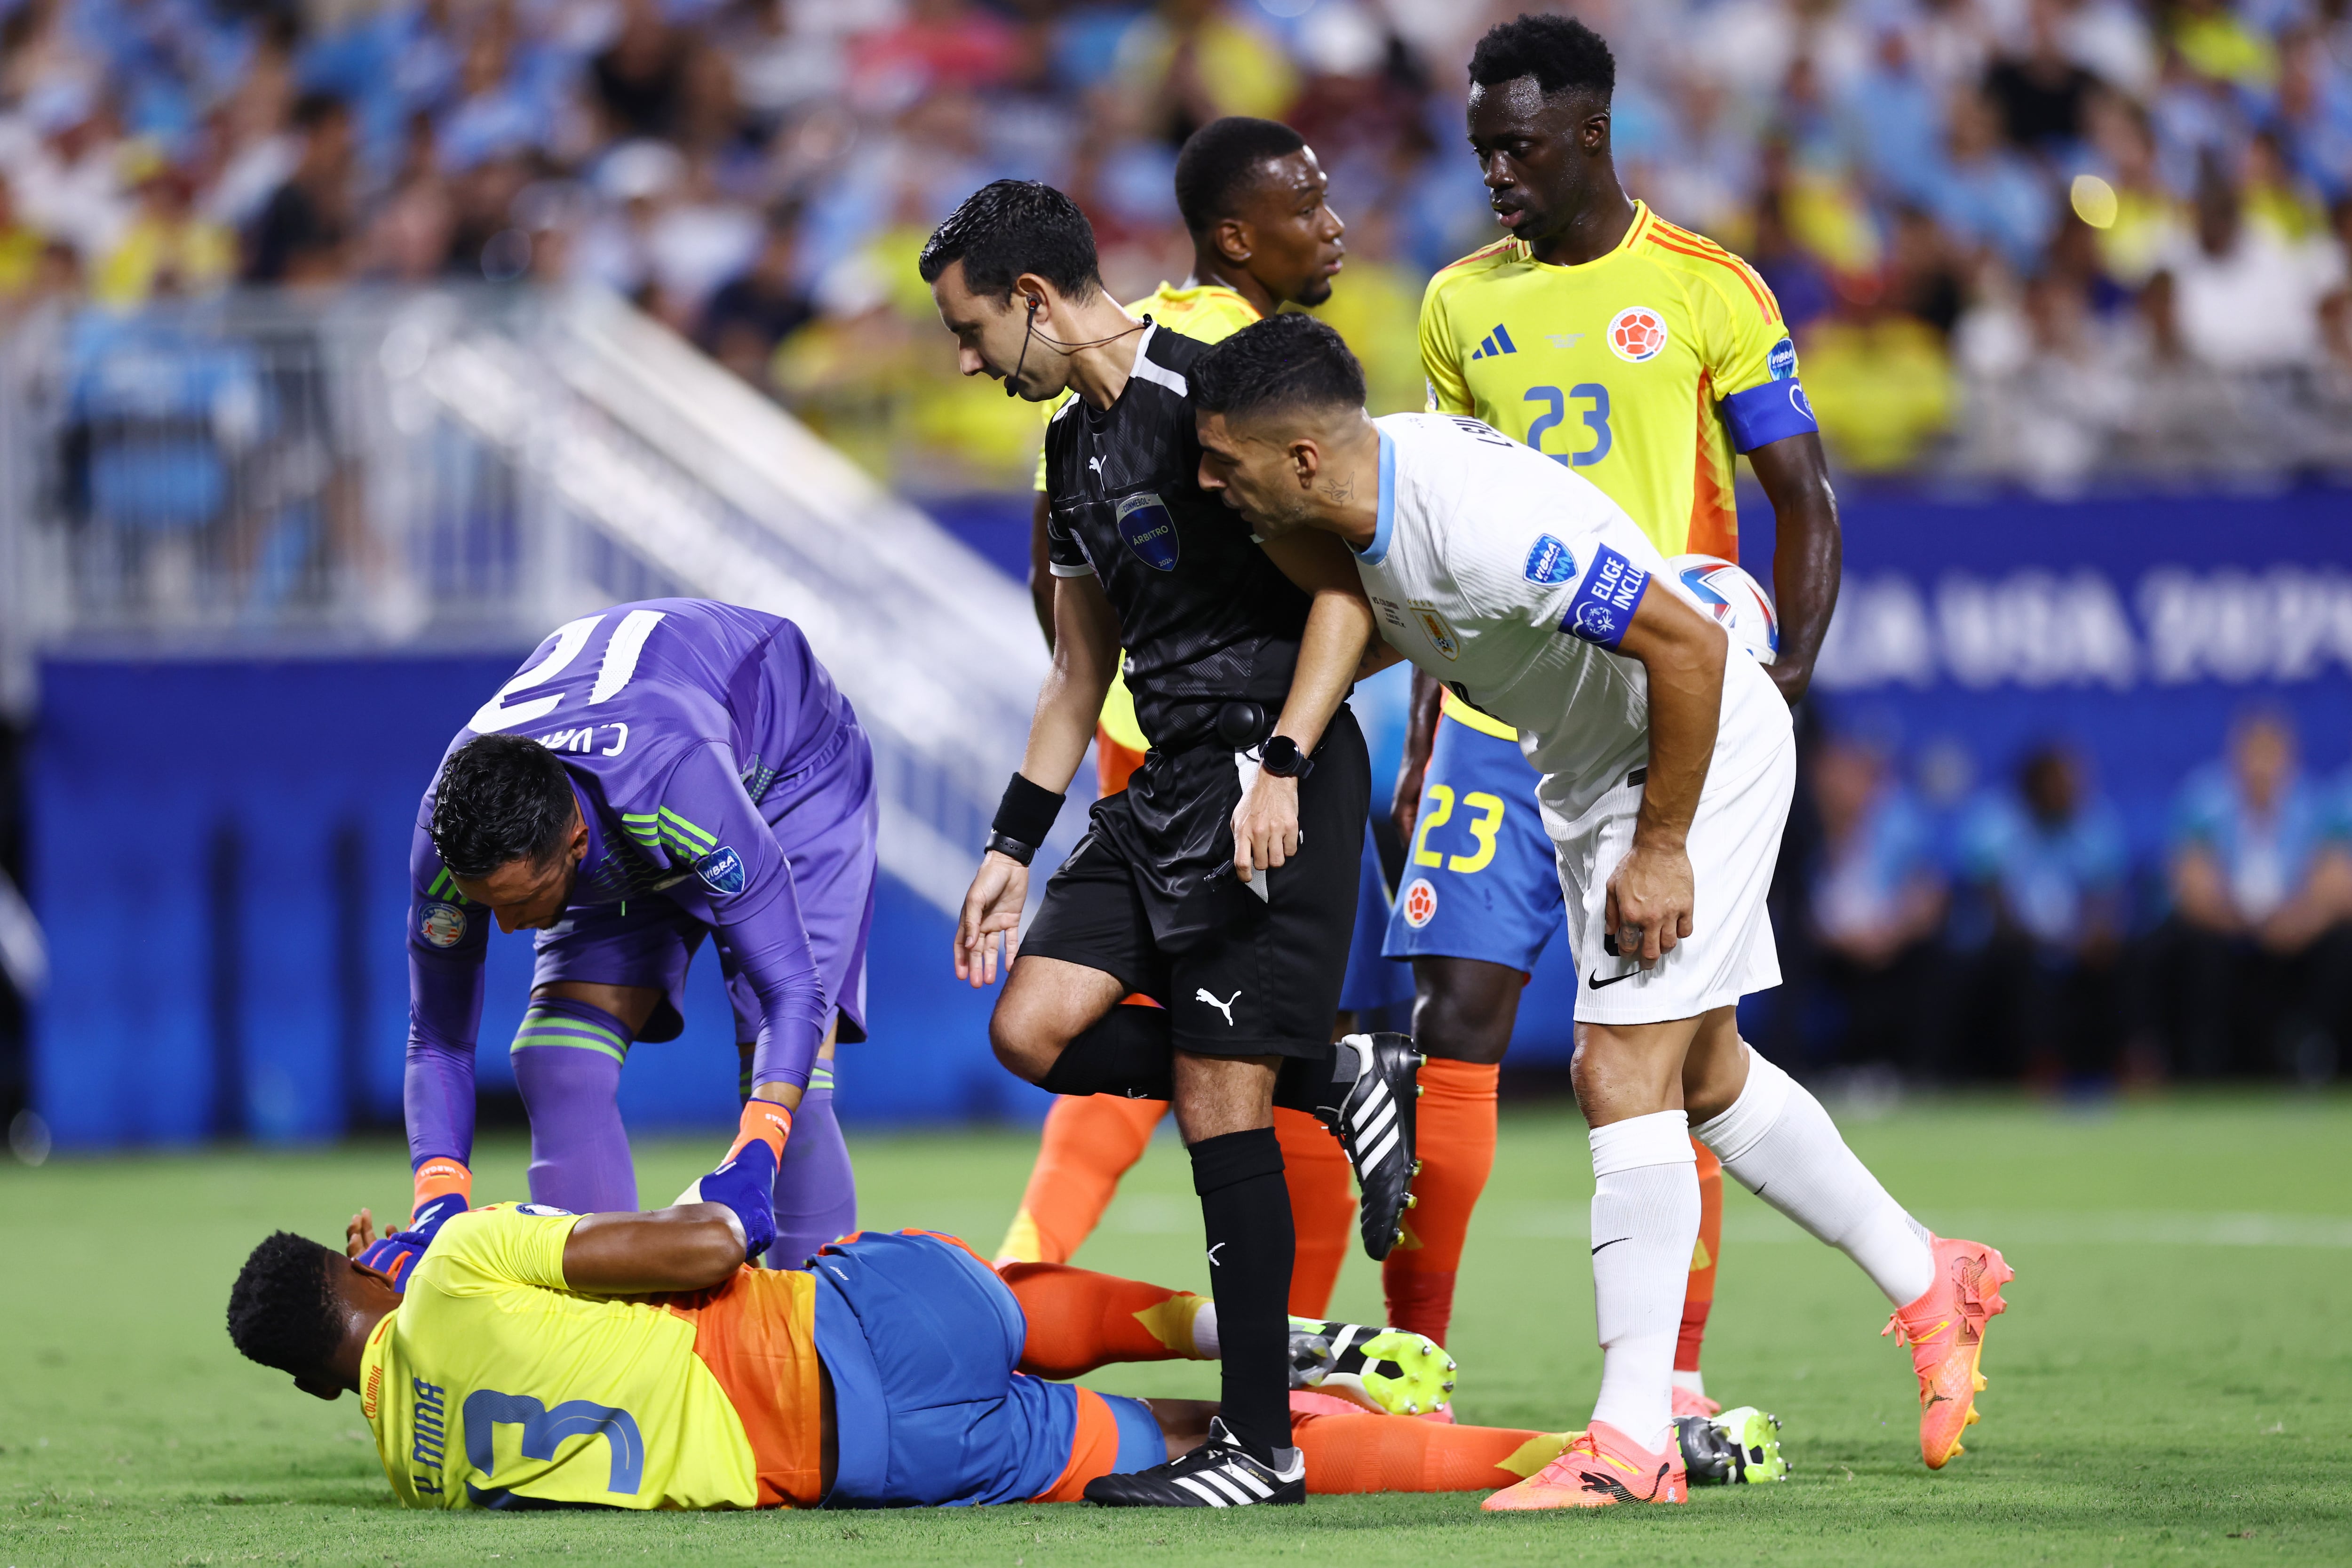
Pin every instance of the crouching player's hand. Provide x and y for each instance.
(745, 1182)
(395, 1254)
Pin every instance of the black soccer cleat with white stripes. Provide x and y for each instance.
(1220, 1473)
(1375, 1122)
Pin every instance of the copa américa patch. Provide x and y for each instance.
(721, 870)
(442, 925)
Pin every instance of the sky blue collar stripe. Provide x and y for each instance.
(1378, 551)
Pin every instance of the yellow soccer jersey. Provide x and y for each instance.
(1211, 312)
(493, 1383)
(1643, 369)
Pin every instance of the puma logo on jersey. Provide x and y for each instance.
(1095, 464)
(1494, 344)
(1226, 1006)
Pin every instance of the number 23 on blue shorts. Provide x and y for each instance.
(1480, 879)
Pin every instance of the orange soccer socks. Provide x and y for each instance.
(1079, 1320)
(1322, 1207)
(1090, 1142)
(1457, 1140)
(1385, 1454)
(1699, 1296)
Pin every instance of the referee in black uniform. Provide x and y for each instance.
(1221, 882)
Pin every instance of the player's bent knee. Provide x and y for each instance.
(1024, 1042)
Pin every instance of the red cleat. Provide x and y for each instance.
(1944, 1330)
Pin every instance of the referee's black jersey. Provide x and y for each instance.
(1206, 616)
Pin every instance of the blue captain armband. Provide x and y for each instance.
(1772, 412)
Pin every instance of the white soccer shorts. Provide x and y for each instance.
(1735, 841)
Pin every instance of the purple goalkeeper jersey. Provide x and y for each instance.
(672, 717)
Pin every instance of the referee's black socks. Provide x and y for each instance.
(1127, 1053)
(1318, 1085)
(1245, 1212)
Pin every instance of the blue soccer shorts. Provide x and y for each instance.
(1373, 979)
(1481, 879)
(922, 1341)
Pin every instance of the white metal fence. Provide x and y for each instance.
(442, 471)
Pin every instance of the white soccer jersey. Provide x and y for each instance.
(1511, 579)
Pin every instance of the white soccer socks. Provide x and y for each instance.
(1779, 1143)
(1644, 1223)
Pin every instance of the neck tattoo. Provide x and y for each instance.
(1339, 492)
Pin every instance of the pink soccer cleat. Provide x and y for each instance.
(1944, 1330)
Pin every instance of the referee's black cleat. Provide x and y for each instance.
(1375, 1125)
(1220, 1473)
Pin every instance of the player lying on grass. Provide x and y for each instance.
(1667, 769)
(536, 1358)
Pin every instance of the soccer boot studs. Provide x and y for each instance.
(1733, 1447)
(1390, 1372)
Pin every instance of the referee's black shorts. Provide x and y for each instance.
(1263, 979)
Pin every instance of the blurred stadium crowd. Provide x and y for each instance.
(2035, 239)
(1951, 933)
(2065, 243)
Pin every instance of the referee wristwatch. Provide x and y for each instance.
(1281, 757)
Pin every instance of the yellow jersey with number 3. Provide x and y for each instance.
(1643, 369)
(494, 1385)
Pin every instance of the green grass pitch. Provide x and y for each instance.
(2171, 1383)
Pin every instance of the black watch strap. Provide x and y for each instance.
(1282, 757)
(1006, 844)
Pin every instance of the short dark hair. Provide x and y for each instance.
(1561, 53)
(1010, 226)
(282, 1310)
(1221, 160)
(1290, 361)
(501, 799)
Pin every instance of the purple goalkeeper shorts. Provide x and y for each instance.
(824, 816)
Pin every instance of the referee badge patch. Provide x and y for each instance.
(1149, 530)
